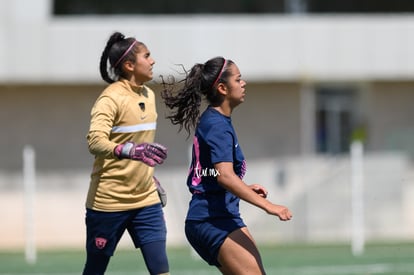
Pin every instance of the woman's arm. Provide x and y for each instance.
(102, 120)
(100, 145)
(230, 181)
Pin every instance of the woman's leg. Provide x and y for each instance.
(103, 232)
(96, 264)
(155, 257)
(148, 231)
(239, 254)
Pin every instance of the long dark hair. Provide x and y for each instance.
(201, 80)
(116, 52)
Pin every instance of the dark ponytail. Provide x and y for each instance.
(116, 52)
(201, 81)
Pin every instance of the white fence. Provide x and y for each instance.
(317, 189)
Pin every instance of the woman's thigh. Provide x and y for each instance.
(239, 254)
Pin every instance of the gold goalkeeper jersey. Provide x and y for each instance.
(121, 113)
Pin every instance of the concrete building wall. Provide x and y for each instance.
(54, 120)
(51, 118)
(391, 116)
(268, 122)
(267, 47)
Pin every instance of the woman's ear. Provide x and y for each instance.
(222, 88)
(128, 66)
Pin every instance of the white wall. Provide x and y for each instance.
(37, 47)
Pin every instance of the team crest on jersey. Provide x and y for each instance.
(100, 242)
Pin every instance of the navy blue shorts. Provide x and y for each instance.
(206, 237)
(105, 229)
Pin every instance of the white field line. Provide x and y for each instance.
(361, 269)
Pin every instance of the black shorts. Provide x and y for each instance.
(206, 237)
(105, 229)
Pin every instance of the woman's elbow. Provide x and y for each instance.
(95, 144)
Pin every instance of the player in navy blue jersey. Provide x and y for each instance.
(213, 224)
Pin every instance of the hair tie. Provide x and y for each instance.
(221, 72)
(125, 53)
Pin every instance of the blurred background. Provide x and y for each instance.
(321, 75)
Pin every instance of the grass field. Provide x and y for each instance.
(389, 259)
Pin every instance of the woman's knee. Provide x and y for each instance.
(96, 264)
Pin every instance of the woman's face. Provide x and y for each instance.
(236, 86)
(143, 65)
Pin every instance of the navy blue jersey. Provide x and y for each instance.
(214, 141)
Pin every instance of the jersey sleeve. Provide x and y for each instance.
(102, 120)
(221, 143)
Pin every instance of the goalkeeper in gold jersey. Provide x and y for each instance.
(123, 194)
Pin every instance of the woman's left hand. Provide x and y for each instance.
(260, 190)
